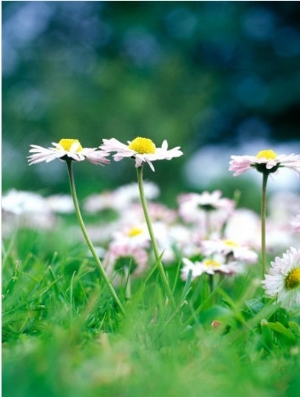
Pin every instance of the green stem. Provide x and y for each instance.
(127, 282)
(88, 240)
(263, 221)
(211, 282)
(152, 237)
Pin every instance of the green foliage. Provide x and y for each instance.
(62, 334)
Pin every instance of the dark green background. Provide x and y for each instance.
(194, 73)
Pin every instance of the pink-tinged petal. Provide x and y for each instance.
(113, 145)
(96, 156)
(138, 162)
(76, 153)
(121, 155)
(239, 164)
(122, 151)
(150, 164)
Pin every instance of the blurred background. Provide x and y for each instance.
(216, 78)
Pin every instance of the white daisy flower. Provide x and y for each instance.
(264, 161)
(209, 266)
(295, 223)
(133, 235)
(206, 201)
(66, 148)
(21, 202)
(209, 211)
(61, 203)
(25, 209)
(120, 256)
(229, 248)
(236, 230)
(141, 149)
(129, 193)
(283, 279)
(190, 267)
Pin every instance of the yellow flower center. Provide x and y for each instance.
(230, 243)
(142, 146)
(134, 231)
(212, 263)
(68, 143)
(292, 279)
(266, 154)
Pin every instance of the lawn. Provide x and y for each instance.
(64, 334)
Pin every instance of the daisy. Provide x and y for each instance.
(129, 193)
(141, 149)
(144, 150)
(62, 204)
(120, 257)
(206, 201)
(295, 223)
(22, 202)
(266, 161)
(208, 210)
(209, 265)
(25, 209)
(236, 230)
(100, 202)
(230, 249)
(283, 280)
(190, 267)
(66, 149)
(133, 235)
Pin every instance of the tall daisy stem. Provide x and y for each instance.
(263, 221)
(152, 236)
(88, 240)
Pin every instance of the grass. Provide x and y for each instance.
(64, 337)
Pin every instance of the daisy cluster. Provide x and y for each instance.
(204, 234)
(205, 231)
(27, 209)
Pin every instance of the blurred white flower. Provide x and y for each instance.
(120, 198)
(230, 249)
(134, 235)
(190, 268)
(243, 226)
(19, 202)
(98, 202)
(210, 266)
(25, 209)
(129, 193)
(60, 203)
(283, 205)
(122, 258)
(295, 223)
(208, 210)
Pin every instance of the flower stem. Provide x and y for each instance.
(87, 239)
(152, 237)
(263, 221)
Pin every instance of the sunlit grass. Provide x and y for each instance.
(64, 336)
